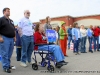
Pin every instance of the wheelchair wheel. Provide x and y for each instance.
(44, 64)
(34, 66)
(50, 68)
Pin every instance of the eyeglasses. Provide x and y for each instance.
(28, 12)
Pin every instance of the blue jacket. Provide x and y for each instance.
(75, 33)
(18, 40)
(89, 32)
(69, 31)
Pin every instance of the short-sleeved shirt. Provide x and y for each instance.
(26, 25)
(7, 27)
(47, 26)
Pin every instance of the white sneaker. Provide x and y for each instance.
(23, 64)
(30, 63)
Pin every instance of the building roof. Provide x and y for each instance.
(58, 17)
(70, 16)
(87, 16)
(36, 22)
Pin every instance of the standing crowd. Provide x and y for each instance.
(25, 36)
(79, 35)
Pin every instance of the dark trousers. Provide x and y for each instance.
(90, 43)
(99, 47)
(18, 52)
(96, 43)
(76, 45)
(83, 44)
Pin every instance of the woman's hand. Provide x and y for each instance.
(1, 39)
(14, 39)
(65, 33)
(44, 38)
(74, 38)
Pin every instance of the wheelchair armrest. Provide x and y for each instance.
(40, 44)
(51, 43)
(43, 44)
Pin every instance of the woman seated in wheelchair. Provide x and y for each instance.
(39, 38)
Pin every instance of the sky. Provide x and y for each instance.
(41, 8)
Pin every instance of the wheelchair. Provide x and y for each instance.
(46, 60)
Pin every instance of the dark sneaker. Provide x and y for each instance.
(59, 64)
(82, 52)
(66, 55)
(68, 48)
(7, 70)
(77, 53)
(74, 51)
(18, 60)
(62, 63)
(91, 51)
(85, 52)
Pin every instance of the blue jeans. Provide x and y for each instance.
(27, 48)
(18, 52)
(90, 39)
(76, 45)
(96, 43)
(99, 47)
(69, 40)
(79, 44)
(83, 44)
(55, 49)
(6, 50)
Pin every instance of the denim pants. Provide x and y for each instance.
(27, 48)
(99, 47)
(76, 45)
(83, 44)
(69, 40)
(55, 49)
(96, 43)
(79, 44)
(90, 39)
(6, 50)
(18, 52)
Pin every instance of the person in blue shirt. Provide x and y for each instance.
(90, 38)
(69, 31)
(76, 38)
(26, 34)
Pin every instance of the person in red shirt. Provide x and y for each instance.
(39, 38)
(96, 32)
